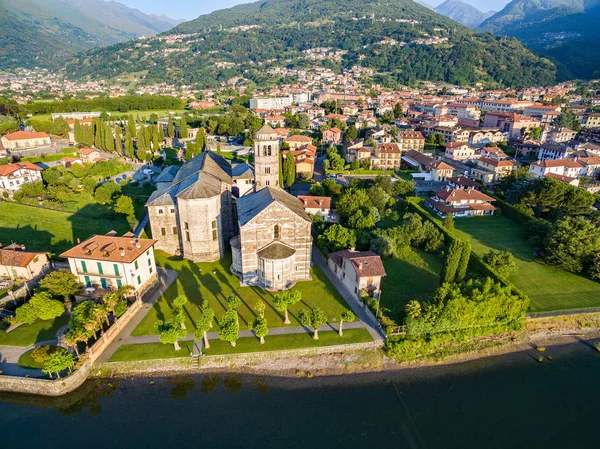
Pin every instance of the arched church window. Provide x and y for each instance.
(276, 232)
(269, 150)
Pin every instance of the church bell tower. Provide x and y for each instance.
(266, 158)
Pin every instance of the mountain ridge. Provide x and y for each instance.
(463, 13)
(562, 30)
(38, 32)
(402, 41)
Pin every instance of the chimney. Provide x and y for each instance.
(122, 252)
(137, 244)
(78, 240)
(353, 249)
(360, 265)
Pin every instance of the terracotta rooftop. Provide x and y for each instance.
(13, 256)
(365, 263)
(562, 178)
(389, 148)
(496, 163)
(6, 170)
(315, 202)
(25, 135)
(570, 163)
(463, 194)
(299, 138)
(110, 247)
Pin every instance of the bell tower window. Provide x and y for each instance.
(276, 232)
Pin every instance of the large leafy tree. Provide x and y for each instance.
(260, 328)
(60, 283)
(170, 332)
(59, 361)
(230, 326)
(336, 238)
(571, 242)
(347, 317)
(315, 319)
(42, 306)
(502, 261)
(286, 299)
(204, 322)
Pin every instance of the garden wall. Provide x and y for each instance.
(58, 387)
(350, 356)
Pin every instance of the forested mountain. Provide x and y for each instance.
(400, 39)
(564, 30)
(44, 32)
(463, 13)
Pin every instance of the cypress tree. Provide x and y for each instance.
(129, 150)
(281, 179)
(201, 139)
(77, 132)
(155, 142)
(448, 274)
(118, 142)
(109, 140)
(183, 128)
(465, 255)
(170, 128)
(290, 169)
(131, 127)
(161, 132)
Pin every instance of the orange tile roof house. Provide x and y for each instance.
(317, 205)
(491, 170)
(89, 154)
(567, 169)
(17, 263)
(332, 135)
(358, 271)
(439, 170)
(108, 261)
(388, 156)
(297, 141)
(24, 139)
(461, 203)
(13, 176)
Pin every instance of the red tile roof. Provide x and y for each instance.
(6, 170)
(25, 135)
(315, 202)
(365, 263)
(570, 163)
(111, 248)
(496, 163)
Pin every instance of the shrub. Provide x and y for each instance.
(42, 354)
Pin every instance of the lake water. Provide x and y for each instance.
(501, 402)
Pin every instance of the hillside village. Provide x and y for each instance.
(300, 207)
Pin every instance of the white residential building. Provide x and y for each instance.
(13, 176)
(269, 103)
(358, 271)
(108, 261)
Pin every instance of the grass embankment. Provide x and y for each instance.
(152, 351)
(28, 334)
(548, 287)
(214, 281)
(51, 230)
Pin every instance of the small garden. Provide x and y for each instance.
(40, 318)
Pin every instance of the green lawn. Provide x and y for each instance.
(151, 351)
(28, 334)
(416, 275)
(214, 282)
(27, 361)
(50, 230)
(548, 287)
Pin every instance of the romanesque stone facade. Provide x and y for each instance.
(273, 248)
(211, 205)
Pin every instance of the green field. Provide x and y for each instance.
(162, 113)
(214, 282)
(415, 275)
(151, 351)
(548, 287)
(50, 230)
(28, 334)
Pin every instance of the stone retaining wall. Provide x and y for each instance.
(307, 359)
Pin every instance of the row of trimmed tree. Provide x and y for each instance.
(172, 330)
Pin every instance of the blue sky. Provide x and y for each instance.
(190, 9)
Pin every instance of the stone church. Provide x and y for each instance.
(212, 206)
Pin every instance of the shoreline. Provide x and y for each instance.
(521, 347)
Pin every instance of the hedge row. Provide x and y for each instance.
(511, 211)
(476, 263)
